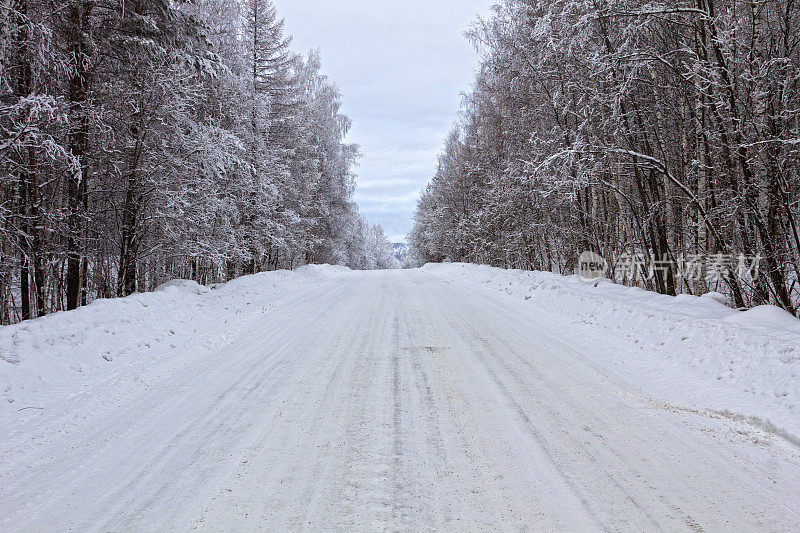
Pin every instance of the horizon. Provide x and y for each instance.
(402, 69)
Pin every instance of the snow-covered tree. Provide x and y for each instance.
(665, 129)
(151, 139)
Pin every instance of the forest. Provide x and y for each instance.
(663, 134)
(146, 140)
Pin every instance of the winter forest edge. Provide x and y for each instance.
(668, 130)
(148, 140)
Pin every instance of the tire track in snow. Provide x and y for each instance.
(506, 327)
(395, 401)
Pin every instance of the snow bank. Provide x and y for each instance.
(323, 271)
(693, 352)
(54, 358)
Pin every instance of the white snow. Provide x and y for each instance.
(694, 352)
(65, 354)
(452, 397)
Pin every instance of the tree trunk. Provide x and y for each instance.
(126, 283)
(78, 141)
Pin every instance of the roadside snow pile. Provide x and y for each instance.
(59, 356)
(323, 271)
(693, 352)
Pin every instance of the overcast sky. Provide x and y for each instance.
(402, 66)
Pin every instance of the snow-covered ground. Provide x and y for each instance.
(64, 355)
(693, 352)
(448, 397)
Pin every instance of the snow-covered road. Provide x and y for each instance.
(392, 400)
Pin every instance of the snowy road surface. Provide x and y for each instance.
(392, 400)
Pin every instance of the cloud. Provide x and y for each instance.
(401, 66)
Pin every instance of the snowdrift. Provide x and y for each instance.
(694, 352)
(56, 357)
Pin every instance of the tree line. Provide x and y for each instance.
(630, 128)
(143, 140)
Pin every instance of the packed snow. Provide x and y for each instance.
(46, 362)
(449, 397)
(694, 352)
